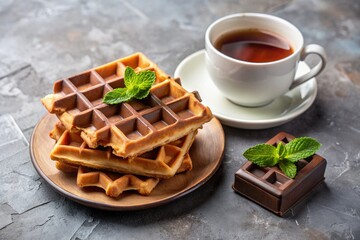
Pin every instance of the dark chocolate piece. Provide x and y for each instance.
(271, 188)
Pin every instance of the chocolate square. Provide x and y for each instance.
(271, 188)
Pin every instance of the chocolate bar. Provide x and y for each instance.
(271, 188)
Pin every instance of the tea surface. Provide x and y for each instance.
(253, 45)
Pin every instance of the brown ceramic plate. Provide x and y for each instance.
(206, 153)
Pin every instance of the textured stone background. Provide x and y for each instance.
(42, 41)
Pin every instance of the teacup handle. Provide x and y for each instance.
(311, 49)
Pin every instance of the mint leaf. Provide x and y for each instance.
(145, 79)
(300, 148)
(129, 77)
(288, 168)
(285, 155)
(142, 94)
(116, 96)
(141, 83)
(264, 155)
(137, 85)
(133, 90)
(144, 82)
(280, 148)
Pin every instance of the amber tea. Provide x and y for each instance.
(253, 45)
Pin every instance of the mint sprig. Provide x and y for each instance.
(285, 155)
(263, 155)
(137, 85)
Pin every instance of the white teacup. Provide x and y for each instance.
(256, 84)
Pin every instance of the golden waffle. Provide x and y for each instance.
(162, 162)
(131, 128)
(66, 168)
(59, 128)
(115, 184)
(185, 166)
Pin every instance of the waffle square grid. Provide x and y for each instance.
(130, 128)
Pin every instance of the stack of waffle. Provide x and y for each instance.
(127, 146)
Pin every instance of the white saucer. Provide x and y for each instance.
(194, 76)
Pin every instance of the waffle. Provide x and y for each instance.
(131, 128)
(115, 184)
(185, 166)
(161, 162)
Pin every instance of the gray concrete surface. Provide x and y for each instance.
(42, 41)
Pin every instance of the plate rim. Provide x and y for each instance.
(256, 123)
(109, 207)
